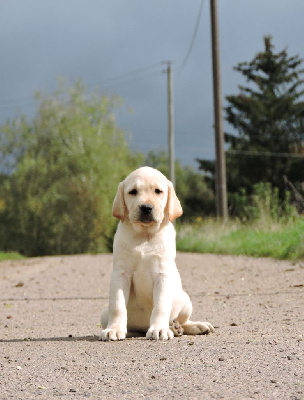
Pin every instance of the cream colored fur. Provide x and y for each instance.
(146, 292)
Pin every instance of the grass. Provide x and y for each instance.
(10, 256)
(281, 240)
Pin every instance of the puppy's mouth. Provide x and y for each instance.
(146, 215)
(146, 222)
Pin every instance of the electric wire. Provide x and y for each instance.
(264, 154)
(131, 76)
(198, 19)
(130, 80)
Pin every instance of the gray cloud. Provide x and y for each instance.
(97, 40)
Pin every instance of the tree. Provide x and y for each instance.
(268, 120)
(60, 174)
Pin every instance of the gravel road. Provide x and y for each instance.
(49, 327)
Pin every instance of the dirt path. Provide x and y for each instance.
(49, 326)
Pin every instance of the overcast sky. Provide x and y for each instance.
(118, 46)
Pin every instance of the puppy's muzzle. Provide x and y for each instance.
(146, 213)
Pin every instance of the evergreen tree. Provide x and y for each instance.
(268, 120)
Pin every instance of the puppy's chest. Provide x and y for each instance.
(142, 283)
(145, 251)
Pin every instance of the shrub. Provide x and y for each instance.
(60, 175)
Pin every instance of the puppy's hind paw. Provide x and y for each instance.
(205, 328)
(198, 328)
(176, 328)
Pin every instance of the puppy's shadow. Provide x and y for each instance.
(69, 338)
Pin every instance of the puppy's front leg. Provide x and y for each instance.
(119, 296)
(162, 305)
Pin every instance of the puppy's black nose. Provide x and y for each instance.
(146, 209)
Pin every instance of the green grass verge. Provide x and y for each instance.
(276, 240)
(10, 256)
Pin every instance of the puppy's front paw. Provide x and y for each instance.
(162, 334)
(112, 334)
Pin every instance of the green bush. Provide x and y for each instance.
(264, 205)
(60, 174)
(265, 225)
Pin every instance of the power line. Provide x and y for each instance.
(264, 139)
(131, 76)
(17, 99)
(130, 80)
(28, 100)
(210, 150)
(198, 19)
(264, 154)
(178, 146)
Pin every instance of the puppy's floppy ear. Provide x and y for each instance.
(173, 207)
(119, 209)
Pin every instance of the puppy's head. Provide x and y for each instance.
(146, 198)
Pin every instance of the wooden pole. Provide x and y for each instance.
(171, 156)
(220, 164)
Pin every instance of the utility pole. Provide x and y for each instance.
(170, 122)
(220, 163)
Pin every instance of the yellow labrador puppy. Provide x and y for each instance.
(146, 292)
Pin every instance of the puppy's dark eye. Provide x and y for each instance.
(158, 191)
(133, 192)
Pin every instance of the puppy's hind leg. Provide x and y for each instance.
(181, 311)
(197, 328)
(187, 326)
